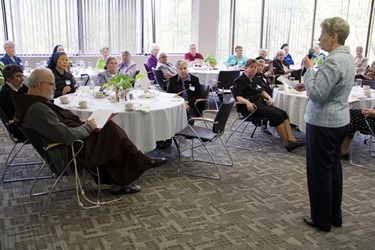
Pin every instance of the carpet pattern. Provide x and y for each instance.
(258, 204)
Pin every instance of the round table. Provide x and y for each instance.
(153, 119)
(294, 104)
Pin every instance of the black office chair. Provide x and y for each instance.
(245, 122)
(19, 141)
(204, 136)
(160, 79)
(370, 141)
(201, 103)
(224, 82)
(59, 157)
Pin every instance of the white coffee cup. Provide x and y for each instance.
(366, 87)
(281, 87)
(367, 93)
(129, 106)
(99, 94)
(64, 99)
(83, 104)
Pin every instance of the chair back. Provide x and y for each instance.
(150, 74)
(56, 158)
(12, 129)
(85, 78)
(222, 117)
(371, 83)
(160, 79)
(203, 92)
(226, 78)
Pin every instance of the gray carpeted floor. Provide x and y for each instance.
(258, 204)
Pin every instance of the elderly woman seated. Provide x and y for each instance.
(168, 69)
(14, 80)
(105, 76)
(100, 64)
(127, 66)
(358, 119)
(64, 80)
(280, 65)
(251, 94)
(10, 54)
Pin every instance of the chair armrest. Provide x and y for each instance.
(202, 119)
(10, 122)
(201, 100)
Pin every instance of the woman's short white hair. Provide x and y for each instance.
(9, 43)
(264, 51)
(153, 46)
(280, 52)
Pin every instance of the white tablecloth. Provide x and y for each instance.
(167, 116)
(294, 104)
(205, 75)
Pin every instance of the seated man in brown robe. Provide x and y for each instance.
(110, 149)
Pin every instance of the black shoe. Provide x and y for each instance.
(345, 157)
(309, 222)
(336, 224)
(157, 162)
(130, 189)
(164, 144)
(293, 145)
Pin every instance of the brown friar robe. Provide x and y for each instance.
(110, 148)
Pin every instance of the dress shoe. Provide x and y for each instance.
(157, 162)
(293, 145)
(345, 157)
(336, 224)
(311, 223)
(129, 189)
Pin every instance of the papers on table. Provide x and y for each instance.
(101, 117)
(290, 84)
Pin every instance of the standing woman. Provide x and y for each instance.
(249, 91)
(10, 54)
(65, 81)
(327, 119)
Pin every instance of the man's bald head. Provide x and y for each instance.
(41, 82)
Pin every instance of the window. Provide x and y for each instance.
(172, 24)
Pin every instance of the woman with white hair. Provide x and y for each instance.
(127, 66)
(361, 62)
(10, 54)
(280, 65)
(100, 64)
(152, 61)
(169, 70)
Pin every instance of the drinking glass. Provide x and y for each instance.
(358, 85)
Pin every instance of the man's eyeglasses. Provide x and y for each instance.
(50, 83)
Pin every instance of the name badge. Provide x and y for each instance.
(67, 82)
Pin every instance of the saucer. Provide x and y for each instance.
(81, 107)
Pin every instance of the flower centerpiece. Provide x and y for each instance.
(211, 59)
(121, 81)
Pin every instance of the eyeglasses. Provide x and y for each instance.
(50, 83)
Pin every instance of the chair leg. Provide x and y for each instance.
(234, 130)
(353, 163)
(9, 163)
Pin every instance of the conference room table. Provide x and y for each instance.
(205, 75)
(294, 103)
(154, 118)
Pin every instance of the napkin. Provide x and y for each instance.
(143, 108)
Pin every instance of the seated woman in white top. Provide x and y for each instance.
(105, 76)
(127, 66)
(169, 70)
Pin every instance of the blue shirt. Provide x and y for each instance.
(232, 60)
(328, 90)
(289, 59)
(6, 60)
